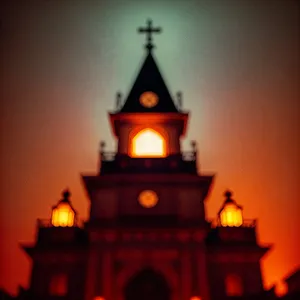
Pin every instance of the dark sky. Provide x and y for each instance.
(237, 63)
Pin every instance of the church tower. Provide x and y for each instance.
(148, 199)
(147, 236)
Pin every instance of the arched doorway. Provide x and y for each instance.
(147, 285)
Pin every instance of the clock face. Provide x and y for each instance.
(149, 99)
(148, 198)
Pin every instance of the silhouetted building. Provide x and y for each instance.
(4, 295)
(293, 285)
(147, 236)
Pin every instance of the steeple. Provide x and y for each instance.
(149, 92)
(148, 125)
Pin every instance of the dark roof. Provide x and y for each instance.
(149, 79)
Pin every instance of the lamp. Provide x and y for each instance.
(230, 214)
(63, 214)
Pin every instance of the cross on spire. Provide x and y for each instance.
(149, 30)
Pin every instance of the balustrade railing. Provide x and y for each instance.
(111, 162)
(46, 223)
(189, 156)
(108, 156)
(111, 156)
(250, 223)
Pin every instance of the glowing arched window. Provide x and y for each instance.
(58, 285)
(148, 143)
(233, 285)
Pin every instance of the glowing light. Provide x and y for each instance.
(148, 143)
(281, 288)
(231, 216)
(63, 215)
(99, 298)
(58, 285)
(195, 298)
(149, 99)
(234, 286)
(148, 199)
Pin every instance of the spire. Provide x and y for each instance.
(149, 92)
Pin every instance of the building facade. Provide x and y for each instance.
(147, 236)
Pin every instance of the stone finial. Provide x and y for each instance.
(228, 194)
(179, 99)
(66, 195)
(102, 146)
(118, 100)
(194, 145)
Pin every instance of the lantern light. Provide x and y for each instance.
(63, 214)
(230, 214)
(195, 298)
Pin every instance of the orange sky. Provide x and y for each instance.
(237, 63)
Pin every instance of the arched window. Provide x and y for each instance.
(148, 143)
(58, 285)
(234, 285)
